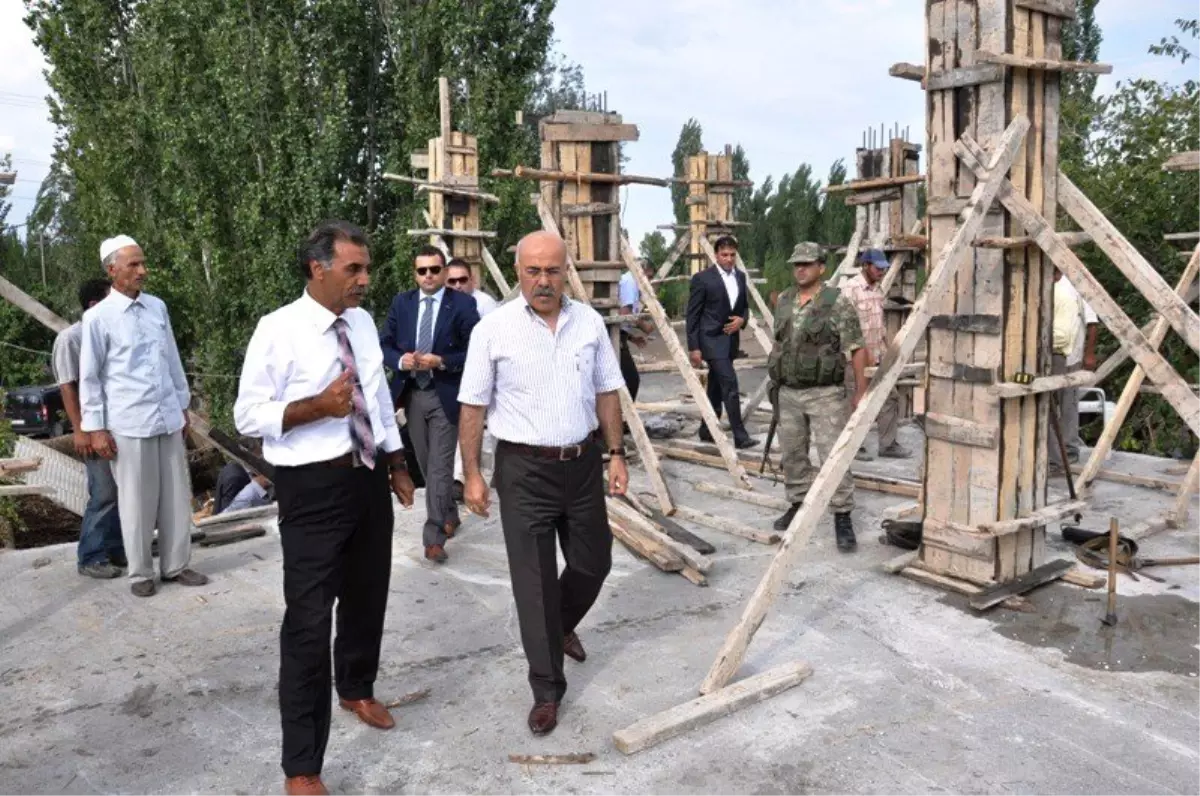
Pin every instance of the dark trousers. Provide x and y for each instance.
(544, 503)
(629, 370)
(336, 529)
(723, 389)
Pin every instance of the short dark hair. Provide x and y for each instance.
(725, 242)
(429, 250)
(458, 262)
(93, 290)
(319, 243)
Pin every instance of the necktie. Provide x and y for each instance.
(425, 341)
(361, 433)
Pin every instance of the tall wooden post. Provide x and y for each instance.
(989, 464)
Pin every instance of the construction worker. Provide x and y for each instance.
(865, 294)
(816, 331)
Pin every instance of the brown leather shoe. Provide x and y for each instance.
(188, 577)
(143, 588)
(304, 785)
(451, 527)
(573, 648)
(543, 718)
(370, 712)
(436, 553)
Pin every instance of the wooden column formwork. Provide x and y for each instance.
(991, 465)
(710, 203)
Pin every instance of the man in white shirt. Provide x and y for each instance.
(543, 370)
(1075, 330)
(635, 331)
(134, 398)
(460, 278)
(313, 388)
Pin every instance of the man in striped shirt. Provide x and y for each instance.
(864, 292)
(543, 370)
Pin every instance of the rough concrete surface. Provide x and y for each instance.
(912, 691)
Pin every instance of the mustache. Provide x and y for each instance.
(543, 292)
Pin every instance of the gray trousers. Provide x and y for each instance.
(1068, 411)
(434, 440)
(888, 419)
(154, 491)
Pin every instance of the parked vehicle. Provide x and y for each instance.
(1093, 402)
(36, 411)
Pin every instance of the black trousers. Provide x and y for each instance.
(336, 529)
(544, 503)
(723, 390)
(629, 370)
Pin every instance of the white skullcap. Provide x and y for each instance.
(113, 244)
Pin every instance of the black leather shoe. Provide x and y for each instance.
(748, 442)
(573, 648)
(785, 519)
(843, 528)
(543, 718)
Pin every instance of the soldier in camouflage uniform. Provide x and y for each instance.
(817, 336)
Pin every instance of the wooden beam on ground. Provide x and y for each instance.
(1043, 64)
(1132, 388)
(1129, 479)
(993, 595)
(527, 173)
(1183, 161)
(14, 466)
(900, 350)
(725, 525)
(633, 519)
(744, 495)
(1177, 517)
(876, 182)
(653, 730)
(651, 550)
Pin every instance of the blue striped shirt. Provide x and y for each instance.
(540, 386)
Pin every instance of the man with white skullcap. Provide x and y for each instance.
(134, 398)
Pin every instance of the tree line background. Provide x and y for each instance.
(218, 133)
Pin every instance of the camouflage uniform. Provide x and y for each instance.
(813, 414)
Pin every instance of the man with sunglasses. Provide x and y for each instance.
(424, 342)
(460, 278)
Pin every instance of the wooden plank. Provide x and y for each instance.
(744, 495)
(1177, 517)
(23, 465)
(1043, 384)
(941, 581)
(877, 182)
(493, 269)
(1183, 161)
(551, 131)
(677, 249)
(960, 372)
(895, 565)
(1030, 580)
(1155, 337)
(651, 550)
(653, 730)
(945, 205)
(877, 195)
(473, 234)
(632, 519)
(899, 351)
(1044, 64)
(907, 71)
(963, 77)
(1117, 477)
(1178, 236)
(959, 431)
(1072, 239)
(725, 525)
(959, 540)
(1059, 8)
(1036, 519)
(527, 173)
(973, 323)
(1084, 578)
(31, 306)
(591, 209)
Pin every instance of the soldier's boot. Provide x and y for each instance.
(785, 519)
(843, 528)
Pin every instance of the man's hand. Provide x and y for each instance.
(187, 424)
(262, 481)
(1089, 360)
(640, 342)
(408, 361)
(736, 322)
(476, 494)
(618, 476)
(335, 400)
(428, 361)
(103, 444)
(82, 442)
(402, 487)
(694, 356)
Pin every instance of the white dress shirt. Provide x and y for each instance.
(629, 295)
(540, 386)
(484, 303)
(731, 284)
(131, 380)
(293, 355)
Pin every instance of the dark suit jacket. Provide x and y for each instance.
(708, 311)
(451, 333)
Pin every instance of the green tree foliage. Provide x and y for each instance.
(1081, 42)
(690, 142)
(218, 133)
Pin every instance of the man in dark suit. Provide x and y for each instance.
(424, 342)
(716, 312)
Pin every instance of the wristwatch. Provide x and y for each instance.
(617, 451)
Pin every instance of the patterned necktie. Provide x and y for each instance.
(425, 341)
(360, 421)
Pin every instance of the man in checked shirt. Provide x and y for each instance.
(864, 293)
(543, 369)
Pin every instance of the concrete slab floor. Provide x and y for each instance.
(912, 692)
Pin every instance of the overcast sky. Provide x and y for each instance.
(792, 81)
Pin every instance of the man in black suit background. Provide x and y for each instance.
(716, 312)
(424, 342)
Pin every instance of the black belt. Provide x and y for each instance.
(564, 453)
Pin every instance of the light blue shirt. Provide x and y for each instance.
(131, 380)
(437, 305)
(630, 296)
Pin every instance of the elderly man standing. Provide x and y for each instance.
(313, 388)
(865, 294)
(134, 400)
(101, 552)
(543, 369)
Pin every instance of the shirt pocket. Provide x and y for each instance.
(585, 366)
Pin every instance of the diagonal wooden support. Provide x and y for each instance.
(1173, 387)
(681, 245)
(847, 264)
(900, 350)
(1140, 273)
(1177, 517)
(1132, 387)
(763, 337)
(680, 358)
(640, 438)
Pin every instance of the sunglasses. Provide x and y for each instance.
(461, 280)
(429, 269)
